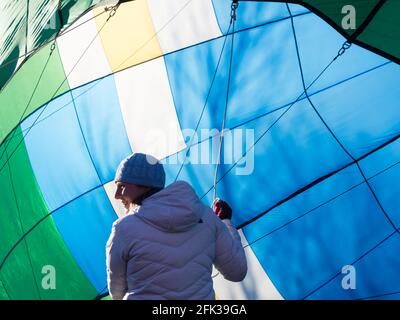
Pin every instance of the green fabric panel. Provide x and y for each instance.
(13, 36)
(384, 30)
(333, 9)
(17, 275)
(71, 9)
(9, 65)
(16, 95)
(3, 292)
(44, 22)
(42, 27)
(21, 274)
(46, 248)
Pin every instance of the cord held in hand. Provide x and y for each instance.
(222, 209)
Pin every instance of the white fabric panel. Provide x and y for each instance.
(79, 42)
(148, 109)
(256, 285)
(110, 189)
(181, 23)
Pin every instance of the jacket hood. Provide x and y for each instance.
(176, 208)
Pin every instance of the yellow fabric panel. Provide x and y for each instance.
(129, 36)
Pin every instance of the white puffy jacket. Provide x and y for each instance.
(166, 249)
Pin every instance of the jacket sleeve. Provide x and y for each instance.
(230, 259)
(116, 264)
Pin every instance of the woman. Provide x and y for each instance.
(166, 245)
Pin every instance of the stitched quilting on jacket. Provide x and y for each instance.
(167, 247)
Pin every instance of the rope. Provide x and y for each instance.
(190, 144)
(234, 7)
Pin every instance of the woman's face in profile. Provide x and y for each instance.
(128, 193)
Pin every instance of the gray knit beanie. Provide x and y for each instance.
(141, 169)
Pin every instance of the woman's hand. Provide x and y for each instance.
(222, 209)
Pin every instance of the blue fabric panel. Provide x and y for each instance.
(249, 14)
(186, 67)
(363, 112)
(288, 157)
(200, 173)
(377, 273)
(385, 182)
(386, 188)
(381, 159)
(85, 225)
(313, 33)
(58, 155)
(297, 9)
(388, 296)
(306, 203)
(250, 96)
(101, 120)
(303, 254)
(355, 89)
